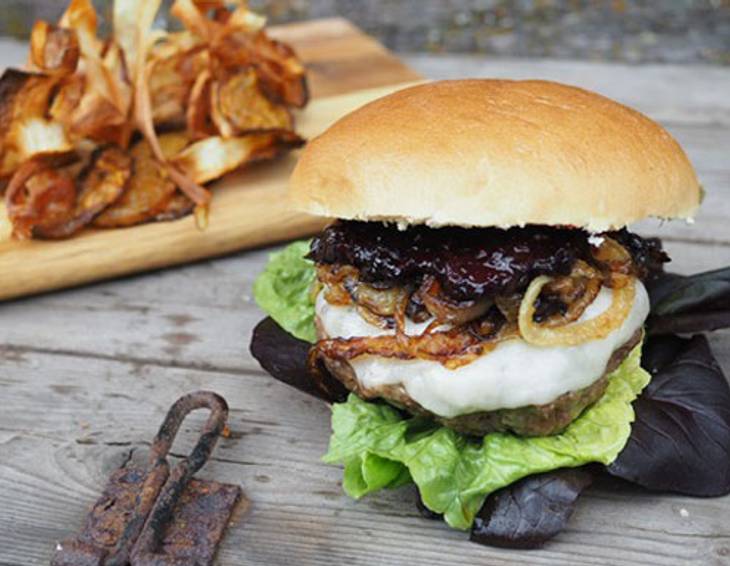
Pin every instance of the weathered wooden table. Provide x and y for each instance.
(86, 376)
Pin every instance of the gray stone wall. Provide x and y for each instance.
(619, 30)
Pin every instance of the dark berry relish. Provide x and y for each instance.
(469, 263)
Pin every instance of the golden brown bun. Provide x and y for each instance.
(496, 153)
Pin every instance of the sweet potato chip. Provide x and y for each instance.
(53, 49)
(282, 75)
(171, 82)
(38, 195)
(100, 185)
(245, 108)
(147, 193)
(237, 40)
(178, 206)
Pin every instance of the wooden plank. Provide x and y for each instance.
(248, 209)
(66, 429)
(670, 93)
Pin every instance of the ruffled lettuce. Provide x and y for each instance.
(283, 290)
(454, 473)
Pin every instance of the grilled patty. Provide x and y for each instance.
(533, 420)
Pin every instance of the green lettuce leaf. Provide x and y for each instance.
(283, 290)
(454, 473)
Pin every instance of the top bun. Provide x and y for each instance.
(496, 153)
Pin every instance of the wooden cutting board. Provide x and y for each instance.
(346, 69)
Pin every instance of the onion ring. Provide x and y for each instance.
(574, 334)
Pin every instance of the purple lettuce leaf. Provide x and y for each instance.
(680, 440)
(531, 511)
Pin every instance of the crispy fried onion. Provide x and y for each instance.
(452, 347)
(576, 333)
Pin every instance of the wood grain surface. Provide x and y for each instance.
(248, 208)
(87, 374)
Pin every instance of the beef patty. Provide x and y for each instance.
(531, 420)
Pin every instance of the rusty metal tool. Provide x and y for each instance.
(157, 516)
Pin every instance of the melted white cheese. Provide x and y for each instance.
(512, 375)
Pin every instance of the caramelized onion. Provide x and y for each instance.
(576, 291)
(382, 302)
(449, 311)
(573, 334)
(613, 256)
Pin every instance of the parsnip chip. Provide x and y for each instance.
(106, 97)
(197, 115)
(213, 157)
(80, 16)
(99, 186)
(53, 49)
(279, 143)
(221, 123)
(24, 132)
(246, 109)
(36, 136)
(143, 107)
(147, 193)
(67, 97)
(193, 18)
(172, 143)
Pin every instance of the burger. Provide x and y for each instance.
(477, 292)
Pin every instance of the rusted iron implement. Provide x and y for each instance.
(155, 516)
